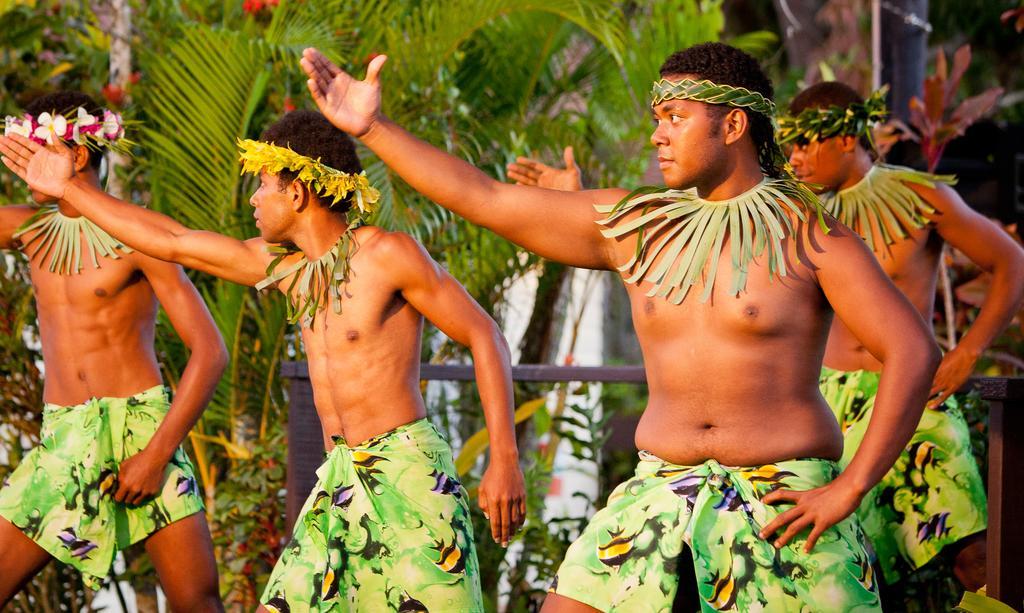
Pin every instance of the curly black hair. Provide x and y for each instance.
(725, 65)
(309, 133)
(826, 94)
(65, 103)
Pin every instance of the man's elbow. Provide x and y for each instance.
(489, 336)
(214, 356)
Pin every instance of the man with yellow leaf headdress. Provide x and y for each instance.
(387, 525)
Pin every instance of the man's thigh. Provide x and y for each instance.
(20, 560)
(182, 553)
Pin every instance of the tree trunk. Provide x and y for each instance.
(904, 46)
(802, 33)
(120, 71)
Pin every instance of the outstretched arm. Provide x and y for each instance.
(889, 326)
(445, 303)
(992, 249)
(49, 170)
(554, 224)
(141, 476)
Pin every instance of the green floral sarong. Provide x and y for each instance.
(626, 559)
(386, 528)
(61, 494)
(931, 498)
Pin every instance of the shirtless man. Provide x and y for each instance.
(109, 470)
(387, 525)
(933, 499)
(732, 365)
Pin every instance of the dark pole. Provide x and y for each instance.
(904, 48)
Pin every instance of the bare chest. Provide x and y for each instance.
(370, 317)
(114, 281)
(768, 305)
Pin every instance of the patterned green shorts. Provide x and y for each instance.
(932, 497)
(61, 494)
(626, 559)
(386, 528)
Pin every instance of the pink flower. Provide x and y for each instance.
(113, 128)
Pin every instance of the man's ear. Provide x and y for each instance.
(847, 144)
(299, 194)
(81, 155)
(734, 125)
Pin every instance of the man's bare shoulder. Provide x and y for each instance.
(823, 241)
(940, 196)
(393, 249)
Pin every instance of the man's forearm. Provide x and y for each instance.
(453, 183)
(1003, 301)
(143, 230)
(494, 380)
(195, 389)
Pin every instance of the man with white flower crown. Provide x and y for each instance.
(109, 470)
(387, 524)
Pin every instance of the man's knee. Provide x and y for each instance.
(205, 600)
(970, 562)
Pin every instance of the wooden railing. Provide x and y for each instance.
(1005, 451)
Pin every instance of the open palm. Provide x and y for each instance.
(351, 105)
(45, 169)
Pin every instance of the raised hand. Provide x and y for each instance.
(351, 105)
(526, 171)
(46, 169)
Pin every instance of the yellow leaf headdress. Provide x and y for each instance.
(257, 156)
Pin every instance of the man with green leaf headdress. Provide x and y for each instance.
(732, 276)
(109, 470)
(933, 499)
(387, 525)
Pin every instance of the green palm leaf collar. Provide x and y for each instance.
(315, 283)
(882, 205)
(814, 124)
(60, 237)
(770, 156)
(688, 233)
(257, 156)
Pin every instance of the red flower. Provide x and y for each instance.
(135, 77)
(289, 105)
(114, 94)
(252, 6)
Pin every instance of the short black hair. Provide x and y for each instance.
(725, 65)
(309, 133)
(826, 94)
(65, 103)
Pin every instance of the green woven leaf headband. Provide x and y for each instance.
(711, 93)
(772, 160)
(814, 124)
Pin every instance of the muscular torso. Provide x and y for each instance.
(912, 264)
(736, 378)
(364, 362)
(96, 329)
